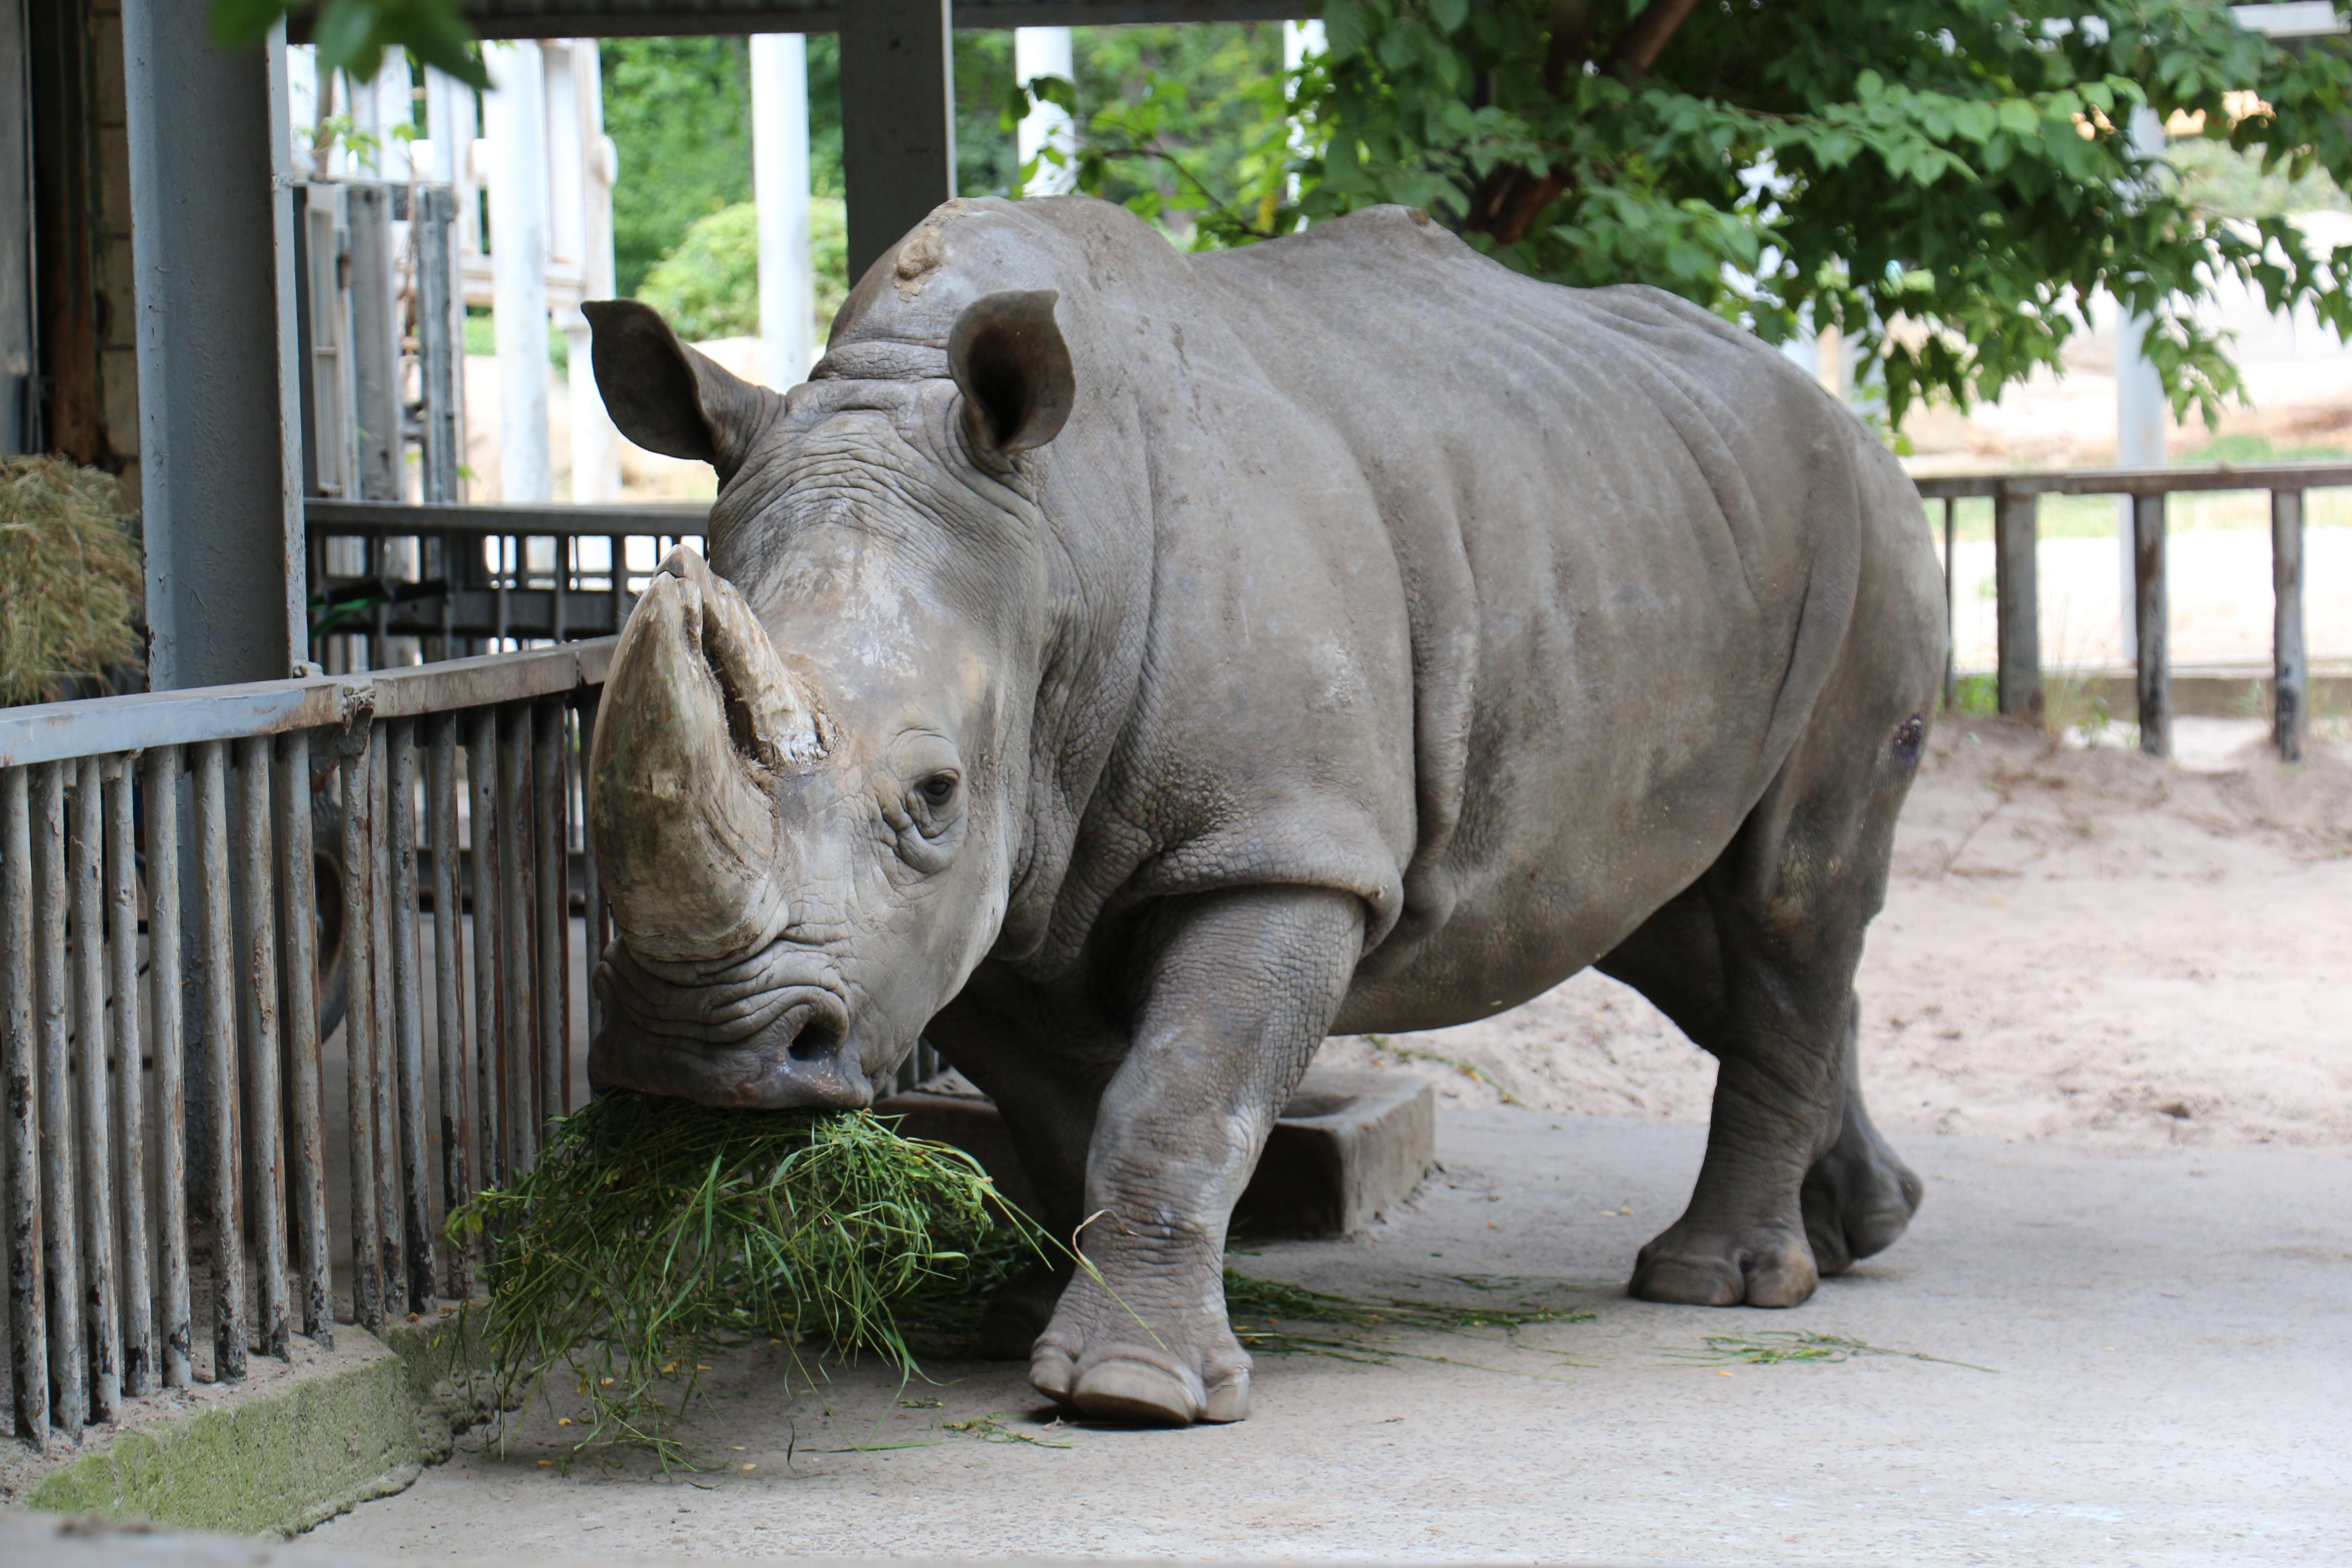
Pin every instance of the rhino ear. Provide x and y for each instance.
(1013, 369)
(666, 397)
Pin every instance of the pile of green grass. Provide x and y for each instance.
(70, 580)
(653, 1232)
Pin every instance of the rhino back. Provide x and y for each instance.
(1632, 540)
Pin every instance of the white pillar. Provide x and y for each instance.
(515, 112)
(596, 444)
(2140, 407)
(1300, 39)
(1045, 51)
(779, 185)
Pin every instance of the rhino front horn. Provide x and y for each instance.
(700, 717)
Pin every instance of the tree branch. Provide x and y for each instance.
(1646, 37)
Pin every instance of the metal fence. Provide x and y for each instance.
(195, 887)
(2016, 500)
(389, 581)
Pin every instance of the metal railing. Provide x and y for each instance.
(2016, 500)
(192, 885)
(468, 580)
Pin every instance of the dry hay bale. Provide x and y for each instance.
(71, 585)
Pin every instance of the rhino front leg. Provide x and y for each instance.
(1237, 990)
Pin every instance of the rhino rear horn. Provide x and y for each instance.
(669, 398)
(1011, 363)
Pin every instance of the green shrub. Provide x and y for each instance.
(710, 286)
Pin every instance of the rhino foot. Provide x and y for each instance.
(1859, 1196)
(1756, 1265)
(1120, 1362)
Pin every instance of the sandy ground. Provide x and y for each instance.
(2078, 944)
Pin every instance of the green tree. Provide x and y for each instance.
(1949, 180)
(679, 113)
(708, 287)
(1185, 125)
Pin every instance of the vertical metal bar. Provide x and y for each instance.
(102, 1310)
(515, 937)
(490, 1039)
(69, 1350)
(265, 1114)
(223, 1182)
(297, 886)
(598, 919)
(509, 552)
(2291, 707)
(620, 574)
(28, 1329)
(138, 1318)
(1951, 607)
(561, 545)
(166, 1044)
(2015, 536)
(375, 570)
(359, 1030)
(408, 1017)
(2151, 614)
(551, 782)
(385, 1065)
(448, 963)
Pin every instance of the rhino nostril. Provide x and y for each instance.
(816, 1040)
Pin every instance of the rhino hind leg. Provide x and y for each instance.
(1859, 1196)
(1756, 964)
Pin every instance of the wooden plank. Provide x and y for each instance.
(2017, 588)
(659, 18)
(2290, 671)
(2152, 619)
(56, 732)
(2142, 481)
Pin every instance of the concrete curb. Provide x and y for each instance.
(315, 1440)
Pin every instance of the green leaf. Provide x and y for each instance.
(241, 24)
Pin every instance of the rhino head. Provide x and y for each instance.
(806, 785)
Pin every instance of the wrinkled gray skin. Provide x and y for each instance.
(1146, 664)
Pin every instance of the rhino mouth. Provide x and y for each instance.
(743, 1034)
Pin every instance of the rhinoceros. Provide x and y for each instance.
(1127, 668)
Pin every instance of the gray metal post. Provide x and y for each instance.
(433, 223)
(897, 117)
(375, 342)
(19, 402)
(2018, 604)
(212, 255)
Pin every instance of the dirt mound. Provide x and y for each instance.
(2078, 943)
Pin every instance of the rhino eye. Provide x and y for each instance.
(937, 790)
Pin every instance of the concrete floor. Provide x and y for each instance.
(2166, 1332)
